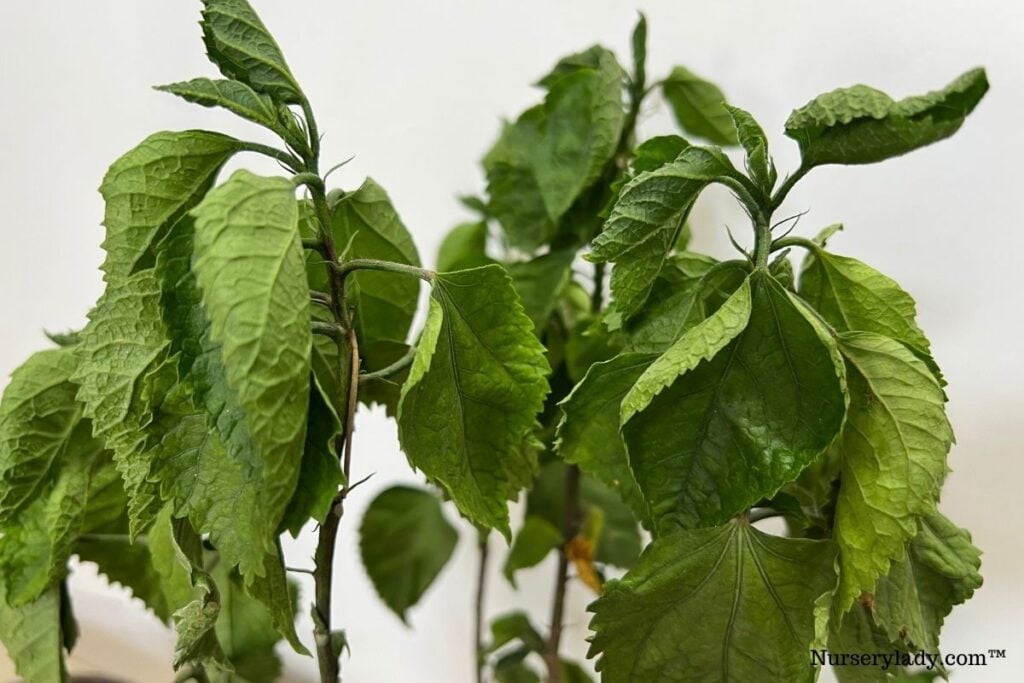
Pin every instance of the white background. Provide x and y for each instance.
(415, 91)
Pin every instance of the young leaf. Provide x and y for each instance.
(539, 283)
(473, 393)
(149, 188)
(698, 106)
(34, 638)
(464, 247)
(734, 410)
(405, 541)
(739, 584)
(366, 225)
(893, 453)
(639, 45)
(250, 267)
(861, 125)
(755, 143)
(545, 160)
(532, 543)
(853, 296)
(588, 434)
(646, 219)
(242, 48)
(37, 415)
(236, 97)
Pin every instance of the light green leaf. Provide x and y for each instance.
(647, 218)
(532, 543)
(752, 595)
(861, 125)
(755, 143)
(588, 434)
(250, 267)
(545, 160)
(242, 48)
(245, 632)
(149, 188)
(33, 637)
(37, 414)
(698, 107)
(405, 541)
(893, 454)
(236, 97)
(853, 296)
(274, 592)
(366, 224)
(750, 407)
(473, 393)
(465, 246)
(941, 571)
(539, 283)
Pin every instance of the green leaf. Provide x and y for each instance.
(405, 541)
(639, 44)
(573, 673)
(539, 283)
(242, 48)
(698, 106)
(647, 218)
(250, 267)
(245, 631)
(275, 593)
(752, 595)
(465, 246)
(532, 543)
(857, 633)
(33, 637)
(734, 410)
(367, 225)
(588, 434)
(861, 125)
(515, 626)
(149, 188)
(236, 97)
(320, 476)
(37, 415)
(473, 393)
(853, 296)
(941, 571)
(893, 452)
(545, 160)
(755, 143)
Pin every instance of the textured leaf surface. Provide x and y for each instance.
(245, 632)
(366, 225)
(940, 572)
(733, 428)
(149, 188)
(236, 97)
(698, 106)
(553, 152)
(647, 218)
(755, 145)
(242, 48)
(37, 414)
(861, 125)
(853, 296)
(473, 393)
(405, 541)
(33, 638)
(588, 435)
(250, 267)
(893, 451)
(752, 595)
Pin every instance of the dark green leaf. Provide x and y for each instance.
(473, 393)
(515, 626)
(405, 541)
(726, 604)
(698, 106)
(539, 283)
(245, 632)
(532, 543)
(639, 44)
(893, 452)
(861, 125)
(242, 48)
(738, 407)
(33, 637)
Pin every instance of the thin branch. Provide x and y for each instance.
(348, 267)
(787, 185)
(802, 242)
(569, 530)
(287, 160)
(393, 369)
(478, 621)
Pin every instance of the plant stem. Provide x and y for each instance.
(803, 242)
(481, 589)
(289, 161)
(762, 242)
(393, 369)
(570, 528)
(787, 185)
(343, 270)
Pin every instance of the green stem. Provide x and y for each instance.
(115, 538)
(478, 612)
(570, 528)
(803, 242)
(762, 243)
(343, 270)
(787, 185)
(393, 369)
(294, 165)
